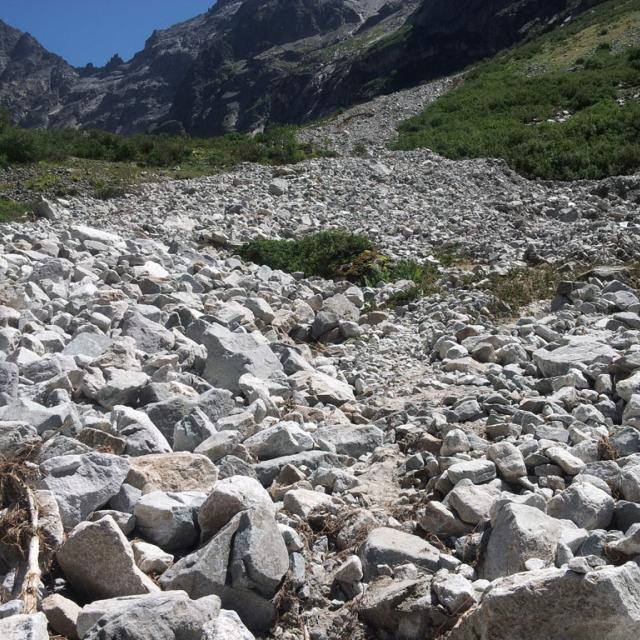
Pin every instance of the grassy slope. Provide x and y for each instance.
(513, 106)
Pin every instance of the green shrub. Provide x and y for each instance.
(338, 255)
(326, 254)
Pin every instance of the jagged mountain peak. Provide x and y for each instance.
(244, 63)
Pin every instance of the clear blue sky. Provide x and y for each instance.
(83, 31)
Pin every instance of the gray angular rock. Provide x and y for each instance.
(508, 460)
(120, 388)
(85, 233)
(192, 431)
(98, 561)
(519, 533)
(259, 557)
(231, 355)
(161, 616)
(169, 519)
(569, 463)
(472, 502)
(41, 417)
(9, 374)
(83, 483)
(62, 615)
(584, 504)
(141, 435)
(602, 604)
(86, 344)
(14, 436)
(149, 558)
(579, 351)
(354, 441)
(282, 439)
(454, 591)
(24, 627)
(149, 336)
(385, 546)
(243, 563)
(324, 388)
(478, 471)
(228, 498)
(227, 626)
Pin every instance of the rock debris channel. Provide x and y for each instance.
(225, 451)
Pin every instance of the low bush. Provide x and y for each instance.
(338, 255)
(328, 254)
(521, 287)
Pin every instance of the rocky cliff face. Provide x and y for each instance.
(440, 38)
(33, 81)
(245, 63)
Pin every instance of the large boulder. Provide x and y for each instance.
(556, 604)
(585, 504)
(159, 616)
(24, 627)
(83, 483)
(385, 546)
(282, 439)
(169, 519)
(98, 562)
(520, 533)
(229, 497)
(231, 355)
(244, 564)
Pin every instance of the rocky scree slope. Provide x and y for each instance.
(218, 450)
(247, 63)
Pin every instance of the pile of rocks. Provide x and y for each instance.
(220, 450)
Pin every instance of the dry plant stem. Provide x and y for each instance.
(32, 582)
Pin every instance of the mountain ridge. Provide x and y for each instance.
(246, 63)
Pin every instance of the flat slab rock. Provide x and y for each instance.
(580, 350)
(385, 546)
(172, 472)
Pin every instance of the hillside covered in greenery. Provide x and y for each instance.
(564, 106)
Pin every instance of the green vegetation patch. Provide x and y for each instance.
(276, 146)
(338, 255)
(550, 122)
(10, 210)
(68, 160)
(521, 287)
